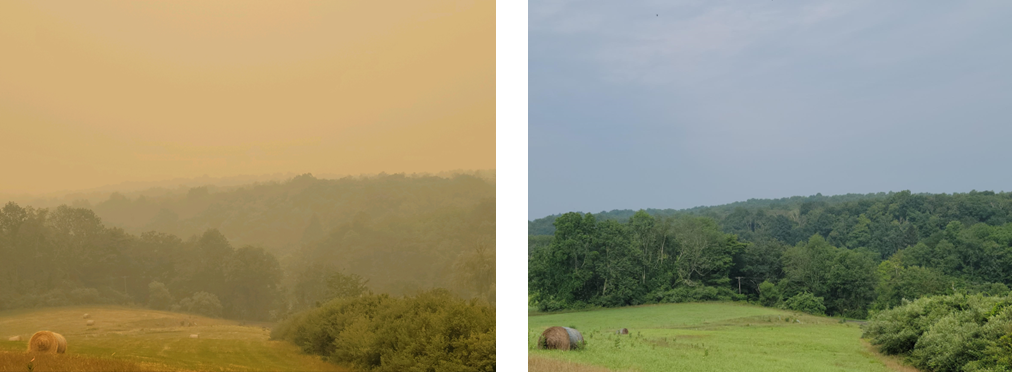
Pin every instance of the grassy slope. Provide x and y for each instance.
(710, 337)
(156, 340)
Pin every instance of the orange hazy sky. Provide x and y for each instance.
(102, 92)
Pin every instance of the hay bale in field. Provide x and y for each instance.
(554, 338)
(14, 338)
(193, 336)
(47, 342)
(91, 322)
(86, 316)
(623, 331)
(575, 338)
(560, 338)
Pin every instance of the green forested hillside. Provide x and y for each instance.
(842, 255)
(543, 226)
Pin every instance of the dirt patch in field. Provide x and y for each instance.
(893, 362)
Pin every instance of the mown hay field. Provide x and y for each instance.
(542, 364)
(709, 337)
(125, 338)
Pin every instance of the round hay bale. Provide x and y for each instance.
(62, 345)
(14, 338)
(86, 316)
(575, 338)
(91, 322)
(47, 342)
(560, 338)
(194, 336)
(623, 331)
(554, 338)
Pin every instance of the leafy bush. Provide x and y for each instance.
(433, 331)
(158, 296)
(947, 333)
(997, 357)
(55, 297)
(491, 293)
(83, 296)
(551, 304)
(807, 303)
(112, 296)
(346, 285)
(202, 303)
(695, 294)
(949, 344)
(769, 294)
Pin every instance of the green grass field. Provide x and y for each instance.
(711, 337)
(156, 340)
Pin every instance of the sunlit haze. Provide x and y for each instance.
(98, 93)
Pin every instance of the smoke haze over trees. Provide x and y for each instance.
(254, 252)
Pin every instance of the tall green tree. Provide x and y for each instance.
(475, 270)
(759, 262)
(562, 274)
(703, 254)
(806, 266)
(618, 266)
(253, 279)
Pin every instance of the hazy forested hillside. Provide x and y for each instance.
(257, 251)
(279, 215)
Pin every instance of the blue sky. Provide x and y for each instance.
(668, 104)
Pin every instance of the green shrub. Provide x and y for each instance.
(158, 296)
(433, 331)
(112, 296)
(695, 294)
(550, 305)
(896, 331)
(55, 297)
(84, 296)
(948, 344)
(807, 303)
(769, 294)
(947, 333)
(202, 303)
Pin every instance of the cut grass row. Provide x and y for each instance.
(710, 337)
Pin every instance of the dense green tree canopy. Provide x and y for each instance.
(851, 253)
